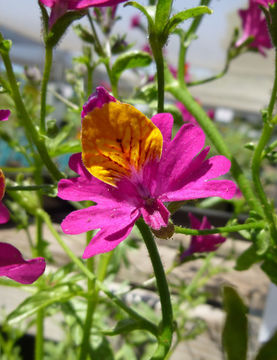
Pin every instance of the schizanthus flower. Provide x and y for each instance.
(16, 268)
(12, 263)
(254, 25)
(60, 7)
(130, 167)
(4, 115)
(202, 243)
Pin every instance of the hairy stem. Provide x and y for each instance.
(44, 84)
(167, 328)
(221, 230)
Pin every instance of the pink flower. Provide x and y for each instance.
(202, 243)
(4, 115)
(147, 49)
(135, 21)
(16, 268)
(60, 7)
(12, 263)
(254, 24)
(130, 166)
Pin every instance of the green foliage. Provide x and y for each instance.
(130, 60)
(185, 15)
(247, 258)
(234, 336)
(268, 350)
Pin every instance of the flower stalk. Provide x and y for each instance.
(44, 85)
(167, 327)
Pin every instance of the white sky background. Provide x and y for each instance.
(207, 51)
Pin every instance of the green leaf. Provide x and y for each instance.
(247, 258)
(162, 15)
(45, 19)
(130, 60)
(84, 34)
(262, 241)
(71, 146)
(234, 336)
(268, 350)
(184, 15)
(146, 10)
(124, 326)
(41, 300)
(270, 268)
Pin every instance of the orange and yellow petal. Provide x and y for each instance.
(117, 139)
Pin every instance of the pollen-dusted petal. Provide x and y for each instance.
(117, 139)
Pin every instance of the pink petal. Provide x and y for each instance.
(155, 215)
(113, 215)
(4, 115)
(183, 148)
(164, 122)
(48, 3)
(105, 240)
(76, 164)
(202, 243)
(4, 214)
(222, 188)
(16, 268)
(100, 97)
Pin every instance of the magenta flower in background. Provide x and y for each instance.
(4, 115)
(173, 71)
(188, 117)
(16, 268)
(130, 166)
(12, 263)
(254, 24)
(135, 21)
(60, 7)
(202, 243)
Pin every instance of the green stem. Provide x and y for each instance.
(45, 187)
(258, 156)
(40, 313)
(90, 308)
(221, 230)
(158, 57)
(29, 127)
(183, 95)
(39, 335)
(44, 84)
(146, 324)
(167, 328)
(102, 53)
(209, 79)
(184, 43)
(89, 80)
